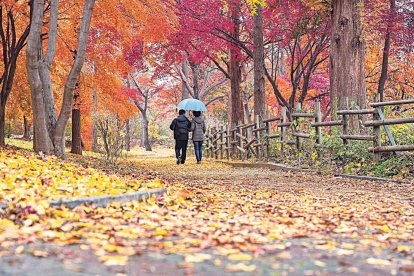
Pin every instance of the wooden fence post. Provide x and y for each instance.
(216, 143)
(233, 141)
(267, 139)
(318, 119)
(208, 143)
(298, 109)
(257, 135)
(345, 128)
(213, 136)
(221, 141)
(240, 140)
(377, 136)
(227, 143)
(283, 128)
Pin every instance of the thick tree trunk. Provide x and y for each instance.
(45, 67)
(235, 98)
(145, 134)
(94, 123)
(76, 147)
(347, 59)
(385, 55)
(258, 62)
(59, 135)
(128, 136)
(34, 47)
(26, 126)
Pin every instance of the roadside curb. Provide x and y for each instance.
(102, 201)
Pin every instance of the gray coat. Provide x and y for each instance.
(198, 127)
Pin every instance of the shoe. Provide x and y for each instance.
(178, 161)
(198, 162)
(182, 162)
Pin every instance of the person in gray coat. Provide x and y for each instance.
(198, 127)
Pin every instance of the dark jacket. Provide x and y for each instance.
(198, 127)
(180, 125)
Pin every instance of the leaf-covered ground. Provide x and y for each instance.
(27, 179)
(217, 220)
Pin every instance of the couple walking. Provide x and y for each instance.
(181, 127)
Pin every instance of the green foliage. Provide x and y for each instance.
(403, 134)
(401, 166)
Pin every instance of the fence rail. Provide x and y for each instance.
(245, 140)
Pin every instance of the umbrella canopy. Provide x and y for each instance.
(192, 104)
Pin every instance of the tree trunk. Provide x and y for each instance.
(34, 47)
(59, 135)
(42, 103)
(235, 98)
(12, 46)
(145, 135)
(26, 126)
(196, 88)
(45, 67)
(184, 91)
(258, 62)
(347, 59)
(128, 136)
(94, 123)
(76, 146)
(385, 55)
(2, 126)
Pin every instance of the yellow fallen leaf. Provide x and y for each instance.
(239, 257)
(114, 260)
(404, 248)
(160, 232)
(5, 223)
(375, 261)
(385, 229)
(110, 247)
(40, 254)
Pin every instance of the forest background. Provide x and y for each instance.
(242, 58)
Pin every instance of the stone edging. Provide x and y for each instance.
(102, 201)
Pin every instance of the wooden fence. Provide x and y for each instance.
(242, 140)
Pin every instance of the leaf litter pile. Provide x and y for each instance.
(238, 220)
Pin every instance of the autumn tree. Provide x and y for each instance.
(51, 137)
(259, 62)
(347, 58)
(14, 30)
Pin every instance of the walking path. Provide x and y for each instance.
(218, 220)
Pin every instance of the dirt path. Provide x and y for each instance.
(314, 222)
(218, 220)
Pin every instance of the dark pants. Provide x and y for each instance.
(198, 148)
(181, 149)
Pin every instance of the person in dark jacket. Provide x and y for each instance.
(181, 125)
(198, 127)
